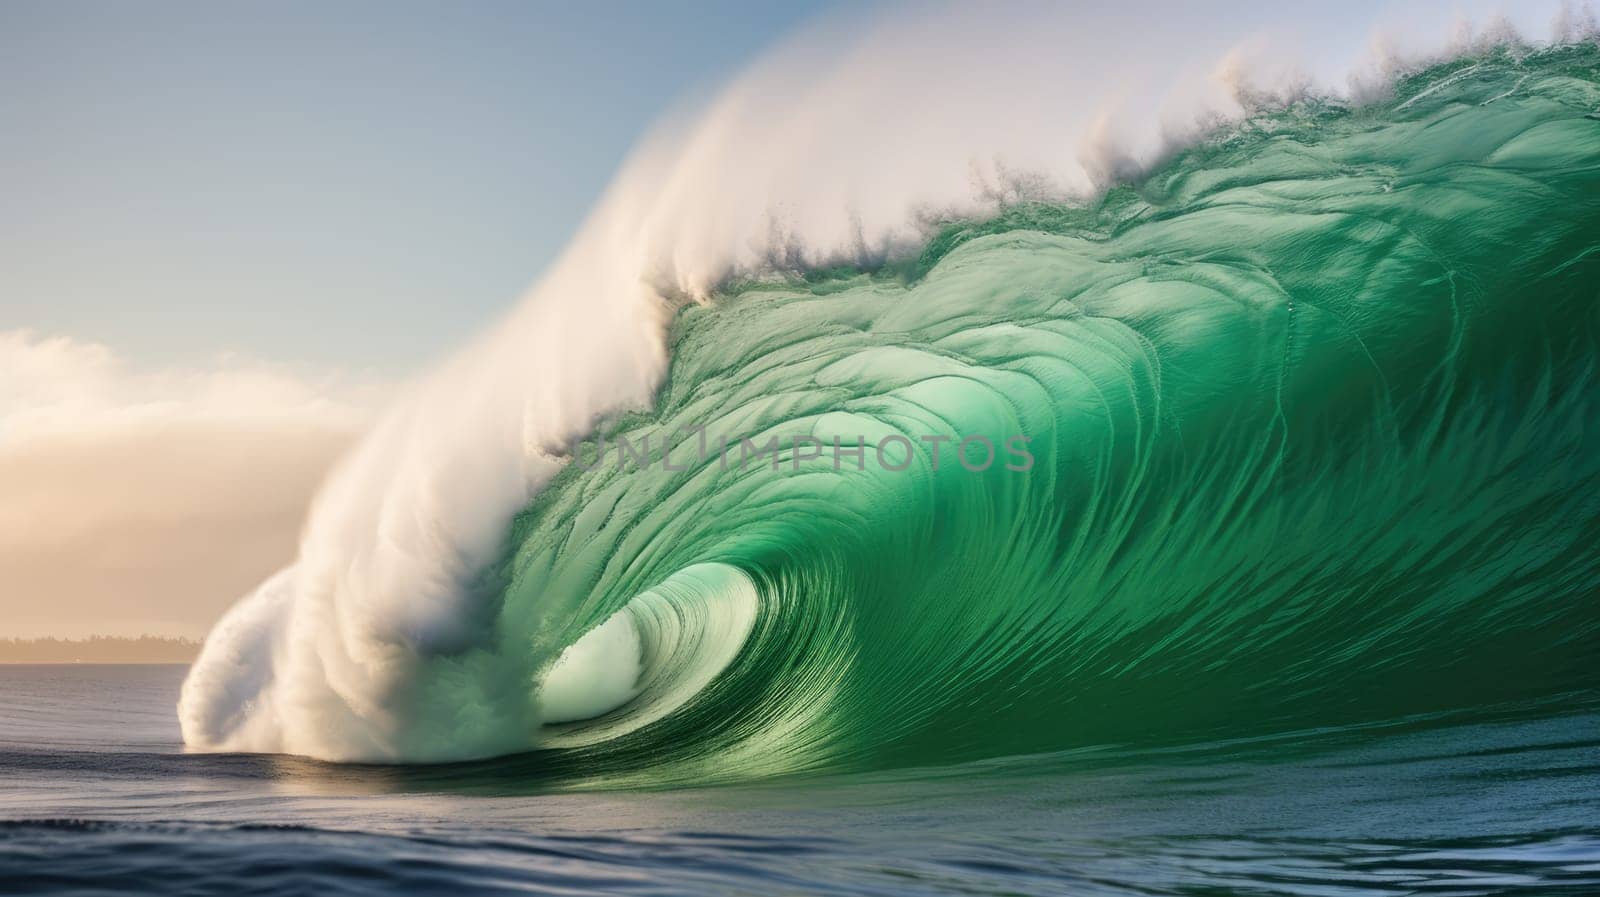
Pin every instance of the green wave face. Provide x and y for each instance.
(1309, 409)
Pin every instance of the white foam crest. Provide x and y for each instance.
(842, 145)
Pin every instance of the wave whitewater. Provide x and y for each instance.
(1310, 404)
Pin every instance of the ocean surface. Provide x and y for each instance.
(98, 796)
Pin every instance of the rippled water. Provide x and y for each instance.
(98, 796)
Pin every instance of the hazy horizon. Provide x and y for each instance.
(143, 649)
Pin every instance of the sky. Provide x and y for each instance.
(359, 184)
(228, 229)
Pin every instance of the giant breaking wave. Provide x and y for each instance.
(1311, 396)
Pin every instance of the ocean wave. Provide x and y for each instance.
(1305, 398)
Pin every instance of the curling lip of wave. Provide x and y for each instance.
(1308, 276)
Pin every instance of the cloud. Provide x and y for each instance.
(137, 499)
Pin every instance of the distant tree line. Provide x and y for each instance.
(99, 649)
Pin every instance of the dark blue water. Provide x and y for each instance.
(98, 797)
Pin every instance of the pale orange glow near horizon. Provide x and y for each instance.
(148, 500)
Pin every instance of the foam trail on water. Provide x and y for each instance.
(384, 639)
